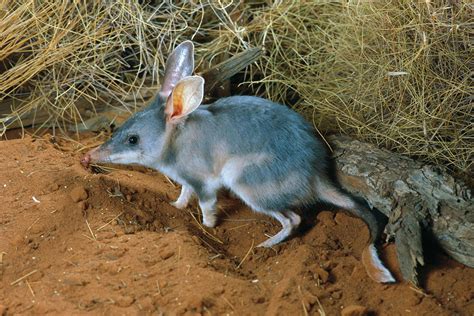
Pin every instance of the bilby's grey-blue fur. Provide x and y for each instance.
(262, 151)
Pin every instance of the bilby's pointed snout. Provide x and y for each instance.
(88, 157)
(85, 160)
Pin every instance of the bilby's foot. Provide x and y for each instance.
(184, 197)
(208, 208)
(289, 222)
(179, 205)
(209, 220)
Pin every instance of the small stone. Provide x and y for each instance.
(129, 230)
(53, 188)
(79, 194)
(327, 265)
(218, 290)
(166, 254)
(336, 295)
(354, 310)
(258, 300)
(124, 301)
(111, 256)
(201, 264)
(75, 281)
(322, 274)
(143, 217)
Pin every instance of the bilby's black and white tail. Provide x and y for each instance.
(329, 193)
(374, 266)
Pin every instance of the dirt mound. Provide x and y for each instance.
(75, 242)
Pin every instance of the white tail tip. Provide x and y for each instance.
(374, 266)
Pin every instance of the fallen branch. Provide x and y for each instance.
(416, 198)
(218, 74)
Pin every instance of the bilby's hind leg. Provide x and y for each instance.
(184, 197)
(289, 222)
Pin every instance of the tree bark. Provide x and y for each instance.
(417, 198)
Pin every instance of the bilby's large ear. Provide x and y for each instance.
(186, 97)
(180, 64)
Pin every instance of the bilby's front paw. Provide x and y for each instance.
(179, 204)
(209, 221)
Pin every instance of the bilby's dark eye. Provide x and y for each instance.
(133, 139)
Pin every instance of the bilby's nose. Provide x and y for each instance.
(85, 160)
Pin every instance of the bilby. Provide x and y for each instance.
(263, 152)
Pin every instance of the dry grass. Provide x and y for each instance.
(395, 73)
(56, 54)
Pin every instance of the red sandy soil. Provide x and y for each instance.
(75, 242)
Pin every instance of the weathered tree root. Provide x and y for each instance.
(414, 196)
